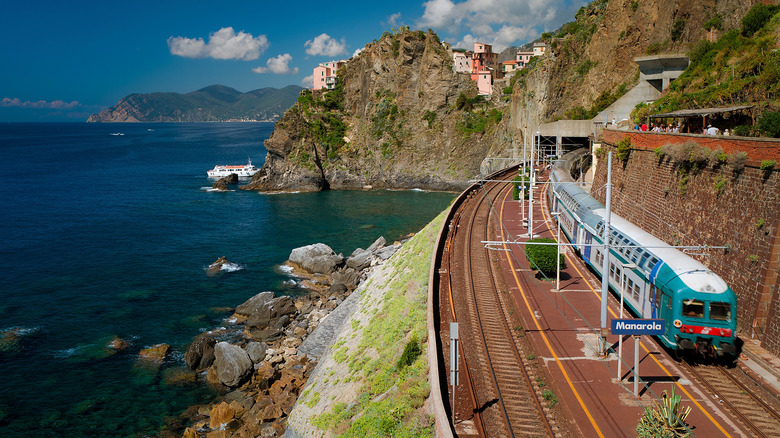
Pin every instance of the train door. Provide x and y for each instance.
(586, 246)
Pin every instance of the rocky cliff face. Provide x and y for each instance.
(595, 53)
(392, 123)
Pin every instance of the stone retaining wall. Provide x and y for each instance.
(744, 214)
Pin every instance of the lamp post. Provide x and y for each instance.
(626, 266)
(557, 215)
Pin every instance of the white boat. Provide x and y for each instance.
(243, 171)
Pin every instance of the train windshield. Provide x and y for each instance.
(720, 311)
(693, 308)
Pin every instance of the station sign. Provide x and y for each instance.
(638, 326)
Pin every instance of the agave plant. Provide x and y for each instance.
(666, 420)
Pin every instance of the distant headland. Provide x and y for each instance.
(215, 103)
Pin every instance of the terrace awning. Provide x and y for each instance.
(701, 112)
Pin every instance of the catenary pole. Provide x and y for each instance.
(605, 263)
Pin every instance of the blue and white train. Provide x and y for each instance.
(699, 308)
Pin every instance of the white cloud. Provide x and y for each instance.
(55, 104)
(357, 52)
(279, 65)
(498, 22)
(223, 44)
(325, 45)
(308, 81)
(393, 20)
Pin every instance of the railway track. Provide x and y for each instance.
(506, 402)
(743, 401)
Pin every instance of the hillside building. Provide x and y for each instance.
(461, 61)
(325, 75)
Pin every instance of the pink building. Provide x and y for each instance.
(509, 67)
(325, 75)
(461, 61)
(522, 58)
(483, 67)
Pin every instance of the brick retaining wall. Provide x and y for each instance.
(693, 213)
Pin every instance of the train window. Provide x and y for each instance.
(693, 308)
(644, 258)
(720, 311)
(636, 292)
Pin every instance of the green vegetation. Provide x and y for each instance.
(476, 122)
(769, 124)
(429, 117)
(542, 257)
(719, 184)
(522, 180)
(624, 149)
(741, 67)
(768, 165)
(677, 28)
(548, 395)
(389, 362)
(760, 223)
(665, 420)
(605, 99)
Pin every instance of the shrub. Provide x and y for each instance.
(542, 257)
(411, 351)
(659, 152)
(429, 117)
(768, 165)
(743, 131)
(677, 29)
(719, 185)
(522, 180)
(624, 149)
(756, 18)
(718, 157)
(715, 22)
(738, 161)
(769, 124)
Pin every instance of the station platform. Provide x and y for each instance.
(564, 324)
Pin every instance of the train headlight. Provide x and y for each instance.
(677, 323)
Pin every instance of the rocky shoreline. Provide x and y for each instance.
(261, 372)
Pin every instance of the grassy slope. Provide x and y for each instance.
(358, 389)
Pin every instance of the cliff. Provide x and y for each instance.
(216, 103)
(399, 118)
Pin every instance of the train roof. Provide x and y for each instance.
(591, 212)
(689, 270)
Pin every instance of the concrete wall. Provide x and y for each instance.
(653, 194)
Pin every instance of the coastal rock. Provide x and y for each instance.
(254, 304)
(155, 353)
(360, 260)
(256, 351)
(224, 182)
(179, 376)
(378, 243)
(266, 335)
(221, 414)
(215, 267)
(200, 354)
(232, 364)
(317, 258)
(117, 344)
(387, 252)
(271, 311)
(349, 278)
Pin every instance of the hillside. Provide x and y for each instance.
(400, 118)
(216, 103)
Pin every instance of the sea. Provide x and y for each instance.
(107, 231)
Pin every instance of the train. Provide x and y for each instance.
(660, 282)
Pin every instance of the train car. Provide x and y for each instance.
(659, 281)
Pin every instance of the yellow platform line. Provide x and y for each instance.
(614, 315)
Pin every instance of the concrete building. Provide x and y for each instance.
(522, 58)
(509, 68)
(324, 75)
(539, 49)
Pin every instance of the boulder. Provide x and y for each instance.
(254, 304)
(232, 364)
(360, 260)
(215, 267)
(118, 344)
(266, 335)
(387, 252)
(271, 311)
(221, 414)
(349, 277)
(224, 182)
(200, 354)
(256, 351)
(155, 353)
(378, 243)
(317, 258)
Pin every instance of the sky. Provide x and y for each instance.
(65, 60)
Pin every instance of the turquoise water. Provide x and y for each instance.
(109, 235)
